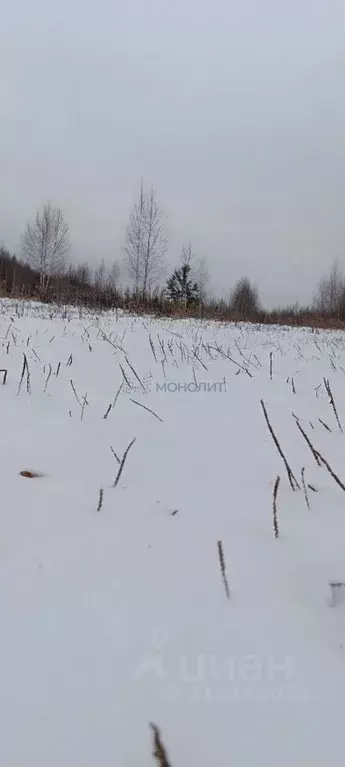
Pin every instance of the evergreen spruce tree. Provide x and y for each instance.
(180, 287)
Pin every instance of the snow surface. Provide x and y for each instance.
(114, 619)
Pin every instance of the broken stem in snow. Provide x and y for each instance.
(309, 443)
(136, 375)
(223, 569)
(100, 500)
(4, 377)
(114, 454)
(275, 513)
(292, 479)
(320, 460)
(108, 411)
(117, 394)
(152, 348)
(159, 750)
(125, 377)
(123, 462)
(85, 402)
(25, 369)
(146, 408)
(305, 489)
(324, 424)
(332, 402)
(48, 377)
(75, 393)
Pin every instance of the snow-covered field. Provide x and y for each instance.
(116, 618)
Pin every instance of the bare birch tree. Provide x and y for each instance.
(113, 276)
(45, 244)
(145, 242)
(329, 298)
(134, 239)
(202, 278)
(155, 243)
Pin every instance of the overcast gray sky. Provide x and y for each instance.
(233, 109)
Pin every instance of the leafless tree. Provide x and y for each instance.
(45, 244)
(99, 277)
(329, 297)
(202, 278)
(187, 255)
(113, 276)
(155, 243)
(145, 242)
(245, 299)
(134, 241)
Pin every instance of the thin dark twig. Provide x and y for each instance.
(48, 377)
(324, 424)
(136, 375)
(332, 402)
(125, 377)
(159, 750)
(114, 454)
(100, 500)
(117, 394)
(4, 377)
(123, 462)
(152, 348)
(275, 513)
(107, 412)
(85, 402)
(309, 443)
(305, 488)
(25, 369)
(242, 367)
(292, 479)
(75, 393)
(146, 408)
(223, 569)
(320, 459)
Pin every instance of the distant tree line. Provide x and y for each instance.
(43, 270)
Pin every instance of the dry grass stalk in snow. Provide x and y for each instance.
(85, 402)
(332, 402)
(114, 454)
(74, 392)
(292, 479)
(275, 513)
(25, 369)
(123, 462)
(107, 412)
(125, 377)
(305, 488)
(4, 376)
(146, 408)
(117, 394)
(136, 374)
(48, 377)
(324, 425)
(320, 460)
(159, 750)
(100, 500)
(223, 569)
